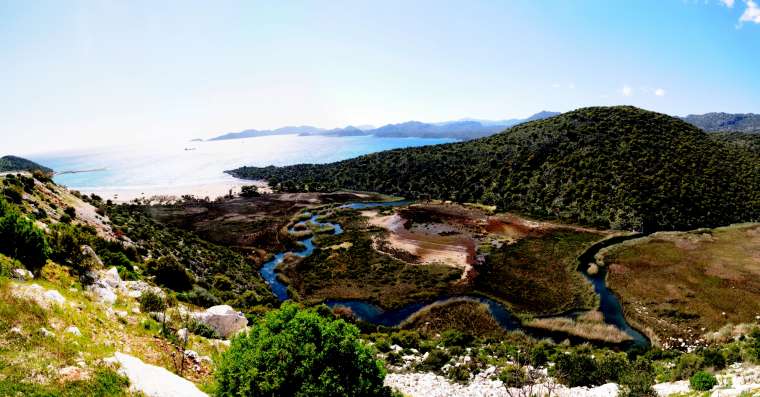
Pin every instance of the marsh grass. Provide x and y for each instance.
(678, 282)
(589, 325)
(538, 274)
(463, 315)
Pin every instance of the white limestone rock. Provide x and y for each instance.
(42, 297)
(73, 331)
(154, 381)
(22, 274)
(223, 318)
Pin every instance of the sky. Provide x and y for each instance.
(87, 73)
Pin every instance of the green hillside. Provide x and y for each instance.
(13, 163)
(618, 167)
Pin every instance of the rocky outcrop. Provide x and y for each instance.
(90, 260)
(22, 275)
(35, 293)
(225, 320)
(154, 381)
(107, 284)
(432, 385)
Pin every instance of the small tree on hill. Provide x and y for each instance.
(295, 352)
(249, 191)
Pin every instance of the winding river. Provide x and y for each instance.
(609, 304)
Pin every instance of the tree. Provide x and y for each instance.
(249, 191)
(296, 352)
(21, 239)
(170, 273)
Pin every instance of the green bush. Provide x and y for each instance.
(152, 302)
(295, 352)
(713, 358)
(170, 273)
(611, 367)
(71, 212)
(13, 195)
(687, 365)
(249, 191)
(7, 265)
(202, 329)
(638, 380)
(66, 243)
(199, 296)
(21, 239)
(454, 337)
(575, 369)
(513, 376)
(436, 359)
(406, 338)
(702, 381)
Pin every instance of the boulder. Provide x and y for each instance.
(154, 381)
(135, 289)
(48, 334)
(103, 294)
(73, 330)
(182, 335)
(112, 278)
(42, 297)
(22, 275)
(90, 260)
(55, 296)
(105, 285)
(225, 320)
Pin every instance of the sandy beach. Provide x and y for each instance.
(210, 190)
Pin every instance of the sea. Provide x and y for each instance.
(181, 167)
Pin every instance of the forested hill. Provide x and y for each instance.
(13, 163)
(618, 167)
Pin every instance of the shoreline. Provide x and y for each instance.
(211, 190)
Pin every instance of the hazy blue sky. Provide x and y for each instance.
(76, 73)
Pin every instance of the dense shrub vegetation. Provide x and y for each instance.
(21, 239)
(294, 352)
(703, 381)
(206, 274)
(618, 167)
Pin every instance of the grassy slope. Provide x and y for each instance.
(679, 283)
(30, 362)
(618, 167)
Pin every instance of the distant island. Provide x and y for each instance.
(465, 129)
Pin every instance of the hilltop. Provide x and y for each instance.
(13, 163)
(611, 167)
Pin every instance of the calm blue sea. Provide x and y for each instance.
(170, 164)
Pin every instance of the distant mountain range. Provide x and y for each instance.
(465, 129)
(725, 122)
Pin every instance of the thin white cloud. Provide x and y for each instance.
(555, 85)
(627, 90)
(751, 13)
(660, 92)
(728, 3)
(571, 86)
